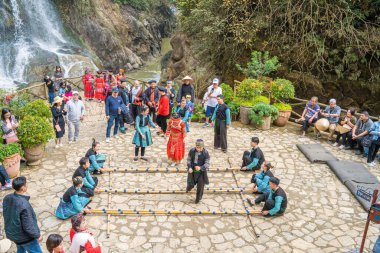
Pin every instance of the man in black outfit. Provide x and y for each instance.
(221, 120)
(150, 98)
(198, 162)
(252, 160)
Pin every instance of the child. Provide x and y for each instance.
(54, 244)
(189, 107)
(261, 181)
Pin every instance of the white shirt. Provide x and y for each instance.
(80, 239)
(212, 102)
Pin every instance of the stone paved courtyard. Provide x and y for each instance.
(322, 215)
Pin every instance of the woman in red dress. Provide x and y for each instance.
(100, 86)
(87, 80)
(176, 145)
(120, 75)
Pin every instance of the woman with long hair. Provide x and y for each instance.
(9, 126)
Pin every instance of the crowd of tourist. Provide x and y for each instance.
(359, 134)
(169, 112)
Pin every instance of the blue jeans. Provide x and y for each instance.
(110, 124)
(4, 178)
(30, 247)
(376, 247)
(51, 97)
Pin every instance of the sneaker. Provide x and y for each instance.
(107, 139)
(206, 125)
(61, 145)
(135, 159)
(57, 146)
(336, 144)
(70, 142)
(358, 152)
(7, 186)
(330, 142)
(116, 137)
(372, 164)
(347, 148)
(342, 147)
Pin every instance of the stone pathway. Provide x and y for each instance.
(322, 214)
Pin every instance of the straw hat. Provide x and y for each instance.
(57, 100)
(5, 245)
(187, 78)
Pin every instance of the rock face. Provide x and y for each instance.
(118, 34)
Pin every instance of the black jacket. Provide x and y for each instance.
(146, 95)
(185, 90)
(203, 162)
(20, 221)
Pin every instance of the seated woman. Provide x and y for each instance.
(261, 179)
(344, 129)
(89, 183)
(74, 201)
(6, 182)
(96, 160)
(81, 239)
(183, 113)
(9, 126)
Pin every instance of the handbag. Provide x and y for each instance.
(11, 137)
(57, 127)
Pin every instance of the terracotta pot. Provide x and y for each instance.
(12, 165)
(265, 125)
(244, 114)
(33, 155)
(283, 118)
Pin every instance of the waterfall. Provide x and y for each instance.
(38, 36)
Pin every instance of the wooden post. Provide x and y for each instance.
(374, 198)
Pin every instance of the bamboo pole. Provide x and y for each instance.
(167, 191)
(246, 208)
(165, 170)
(109, 200)
(172, 212)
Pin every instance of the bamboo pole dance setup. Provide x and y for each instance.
(171, 212)
(164, 170)
(109, 201)
(168, 191)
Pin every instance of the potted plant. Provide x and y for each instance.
(234, 109)
(261, 115)
(10, 156)
(246, 91)
(36, 108)
(280, 90)
(261, 99)
(284, 112)
(34, 133)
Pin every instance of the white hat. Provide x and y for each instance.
(75, 92)
(216, 80)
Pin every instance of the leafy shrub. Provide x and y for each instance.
(242, 102)
(283, 106)
(199, 112)
(7, 150)
(228, 93)
(34, 131)
(261, 110)
(37, 108)
(18, 102)
(249, 89)
(234, 108)
(282, 89)
(260, 65)
(261, 99)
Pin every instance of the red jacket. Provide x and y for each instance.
(163, 106)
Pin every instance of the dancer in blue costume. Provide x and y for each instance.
(143, 137)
